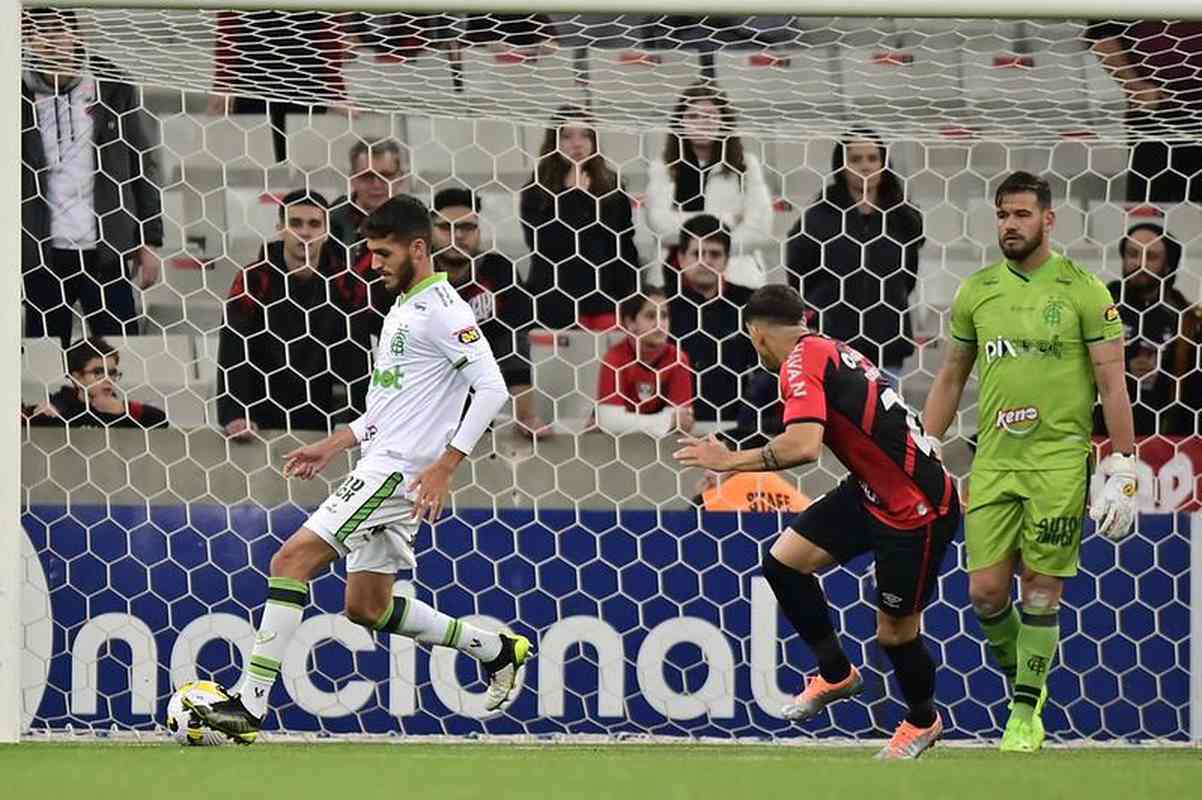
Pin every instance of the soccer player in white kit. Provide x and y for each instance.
(412, 437)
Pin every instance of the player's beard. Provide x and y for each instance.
(1019, 252)
(404, 276)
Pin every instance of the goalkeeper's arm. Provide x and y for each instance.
(944, 397)
(1110, 376)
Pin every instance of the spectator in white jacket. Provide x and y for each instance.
(705, 170)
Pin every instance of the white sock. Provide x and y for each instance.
(286, 601)
(407, 616)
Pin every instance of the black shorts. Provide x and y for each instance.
(908, 563)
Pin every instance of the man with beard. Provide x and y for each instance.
(485, 281)
(412, 437)
(1152, 309)
(1046, 340)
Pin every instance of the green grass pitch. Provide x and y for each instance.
(344, 771)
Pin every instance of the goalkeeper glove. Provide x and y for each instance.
(1115, 512)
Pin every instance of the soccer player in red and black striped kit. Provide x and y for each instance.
(898, 503)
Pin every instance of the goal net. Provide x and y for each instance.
(158, 147)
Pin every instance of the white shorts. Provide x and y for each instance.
(369, 521)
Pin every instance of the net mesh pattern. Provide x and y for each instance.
(147, 550)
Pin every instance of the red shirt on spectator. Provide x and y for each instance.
(869, 428)
(645, 388)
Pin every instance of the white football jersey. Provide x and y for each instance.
(418, 389)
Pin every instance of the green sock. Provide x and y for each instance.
(1037, 643)
(1001, 630)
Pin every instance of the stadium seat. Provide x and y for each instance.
(511, 82)
(43, 368)
(566, 368)
(480, 154)
(797, 87)
(638, 88)
(899, 85)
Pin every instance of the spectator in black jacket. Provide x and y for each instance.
(1152, 309)
(706, 315)
(91, 399)
(90, 203)
(379, 171)
(288, 338)
(854, 253)
(486, 282)
(579, 227)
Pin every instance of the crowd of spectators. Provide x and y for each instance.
(301, 319)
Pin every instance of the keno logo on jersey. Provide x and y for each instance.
(1018, 421)
(468, 335)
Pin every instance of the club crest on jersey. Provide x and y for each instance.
(467, 335)
(646, 390)
(1111, 314)
(1053, 312)
(1018, 421)
(397, 345)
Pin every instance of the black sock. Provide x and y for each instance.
(801, 598)
(915, 673)
(504, 658)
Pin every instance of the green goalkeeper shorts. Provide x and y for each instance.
(1038, 513)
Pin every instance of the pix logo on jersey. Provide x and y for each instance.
(468, 335)
(1000, 348)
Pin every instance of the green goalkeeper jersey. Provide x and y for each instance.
(1032, 332)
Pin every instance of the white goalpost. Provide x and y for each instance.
(141, 555)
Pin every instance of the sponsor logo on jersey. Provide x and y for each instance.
(397, 345)
(1002, 347)
(1111, 314)
(1018, 421)
(1053, 312)
(1057, 531)
(999, 348)
(390, 378)
(467, 335)
(891, 600)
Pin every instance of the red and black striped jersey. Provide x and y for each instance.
(869, 428)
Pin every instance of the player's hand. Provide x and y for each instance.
(1115, 512)
(708, 453)
(431, 487)
(241, 430)
(305, 462)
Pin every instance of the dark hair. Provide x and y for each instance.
(44, 17)
(632, 306)
(552, 166)
(456, 197)
(677, 148)
(1019, 182)
(890, 192)
(84, 350)
(403, 218)
(775, 304)
(701, 227)
(303, 197)
(376, 147)
(1172, 249)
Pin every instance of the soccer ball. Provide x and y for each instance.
(185, 727)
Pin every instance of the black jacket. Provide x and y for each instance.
(128, 201)
(503, 309)
(286, 343)
(73, 412)
(858, 280)
(1148, 318)
(582, 249)
(712, 334)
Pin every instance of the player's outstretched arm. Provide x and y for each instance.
(944, 397)
(307, 461)
(801, 443)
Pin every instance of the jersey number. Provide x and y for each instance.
(890, 399)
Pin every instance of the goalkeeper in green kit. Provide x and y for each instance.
(1046, 340)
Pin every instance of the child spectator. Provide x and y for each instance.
(646, 383)
(91, 399)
